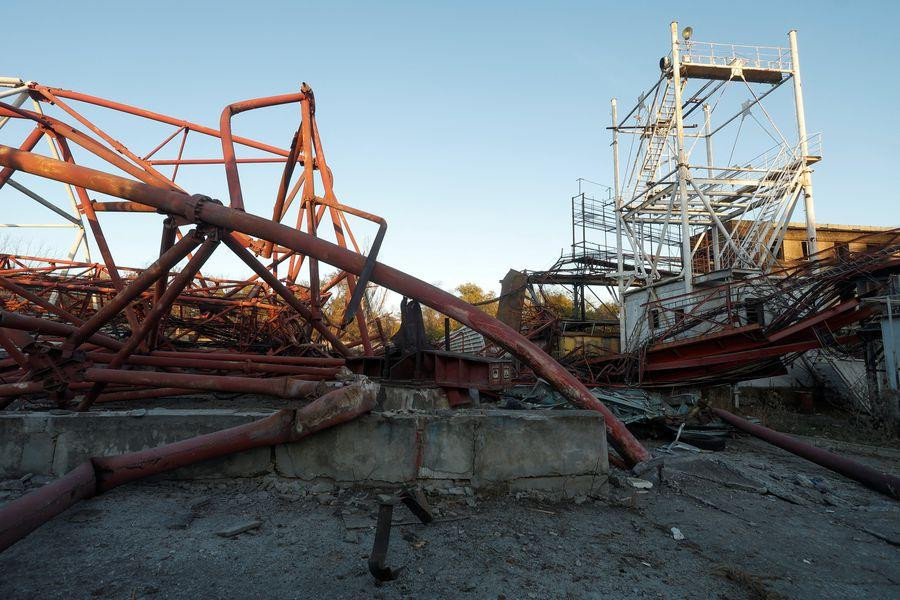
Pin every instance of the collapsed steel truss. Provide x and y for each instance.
(747, 328)
(74, 335)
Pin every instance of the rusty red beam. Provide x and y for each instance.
(228, 155)
(281, 387)
(155, 116)
(47, 327)
(213, 365)
(30, 142)
(312, 361)
(743, 357)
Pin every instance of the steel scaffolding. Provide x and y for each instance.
(683, 211)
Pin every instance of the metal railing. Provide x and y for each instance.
(727, 55)
(775, 158)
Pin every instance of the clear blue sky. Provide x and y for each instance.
(464, 124)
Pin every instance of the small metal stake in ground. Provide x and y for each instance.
(416, 503)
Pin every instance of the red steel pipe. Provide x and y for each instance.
(213, 365)
(869, 477)
(196, 207)
(282, 387)
(20, 389)
(12, 349)
(311, 361)
(30, 142)
(231, 171)
(34, 324)
(154, 116)
(97, 475)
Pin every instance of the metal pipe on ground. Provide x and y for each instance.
(869, 477)
(97, 475)
(200, 208)
(14, 390)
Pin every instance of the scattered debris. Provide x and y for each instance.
(239, 529)
(640, 484)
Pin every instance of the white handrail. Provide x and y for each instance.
(725, 55)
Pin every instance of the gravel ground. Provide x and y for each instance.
(757, 523)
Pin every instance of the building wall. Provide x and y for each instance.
(794, 245)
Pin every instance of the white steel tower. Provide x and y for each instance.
(682, 208)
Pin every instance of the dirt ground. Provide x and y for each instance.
(757, 523)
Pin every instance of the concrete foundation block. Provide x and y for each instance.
(447, 446)
(25, 453)
(25, 446)
(562, 453)
(374, 448)
(516, 444)
(36, 454)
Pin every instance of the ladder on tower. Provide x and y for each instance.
(659, 134)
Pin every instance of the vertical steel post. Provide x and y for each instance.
(806, 182)
(889, 342)
(707, 127)
(687, 268)
(167, 240)
(620, 259)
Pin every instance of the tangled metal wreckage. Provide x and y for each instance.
(85, 333)
(80, 333)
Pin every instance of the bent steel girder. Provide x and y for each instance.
(201, 210)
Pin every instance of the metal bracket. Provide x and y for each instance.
(417, 505)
